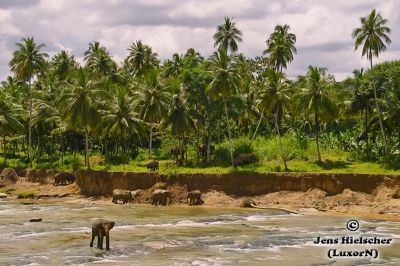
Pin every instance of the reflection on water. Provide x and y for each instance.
(148, 235)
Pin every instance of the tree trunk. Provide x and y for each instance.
(317, 135)
(280, 138)
(380, 115)
(4, 152)
(366, 131)
(258, 125)
(87, 148)
(62, 148)
(229, 133)
(151, 140)
(30, 124)
(208, 147)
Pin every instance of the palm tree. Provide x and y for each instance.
(224, 83)
(315, 99)
(179, 119)
(152, 100)
(174, 66)
(227, 36)
(141, 58)
(120, 120)
(80, 100)
(63, 64)
(9, 121)
(26, 62)
(373, 36)
(280, 47)
(360, 101)
(274, 98)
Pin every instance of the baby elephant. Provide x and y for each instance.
(194, 198)
(101, 228)
(160, 197)
(152, 165)
(63, 179)
(120, 194)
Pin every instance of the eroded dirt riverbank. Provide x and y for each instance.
(374, 196)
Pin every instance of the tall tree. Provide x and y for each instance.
(141, 58)
(273, 98)
(224, 83)
(373, 37)
(179, 119)
(62, 64)
(315, 99)
(80, 101)
(280, 47)
(227, 36)
(26, 62)
(152, 99)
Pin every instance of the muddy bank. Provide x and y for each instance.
(100, 183)
(342, 193)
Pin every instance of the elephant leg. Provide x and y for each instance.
(100, 240)
(91, 242)
(107, 241)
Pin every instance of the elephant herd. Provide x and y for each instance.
(158, 197)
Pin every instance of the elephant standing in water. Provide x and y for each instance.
(194, 198)
(160, 197)
(123, 195)
(101, 228)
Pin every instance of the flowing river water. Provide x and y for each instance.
(176, 235)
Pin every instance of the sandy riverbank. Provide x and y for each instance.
(378, 205)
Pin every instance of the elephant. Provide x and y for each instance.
(202, 148)
(160, 197)
(136, 193)
(194, 198)
(244, 158)
(152, 165)
(63, 179)
(120, 194)
(101, 228)
(176, 152)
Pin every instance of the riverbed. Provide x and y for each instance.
(176, 235)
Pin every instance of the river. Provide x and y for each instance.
(174, 235)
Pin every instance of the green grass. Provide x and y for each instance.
(301, 154)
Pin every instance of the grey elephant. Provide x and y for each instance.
(152, 165)
(160, 197)
(63, 179)
(123, 195)
(194, 198)
(136, 193)
(101, 228)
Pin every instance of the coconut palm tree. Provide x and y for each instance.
(120, 119)
(9, 120)
(152, 99)
(224, 84)
(80, 101)
(273, 98)
(141, 58)
(179, 119)
(315, 99)
(174, 66)
(280, 47)
(373, 37)
(62, 64)
(227, 36)
(26, 62)
(361, 101)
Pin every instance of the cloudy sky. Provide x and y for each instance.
(323, 28)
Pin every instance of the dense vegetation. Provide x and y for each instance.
(56, 113)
